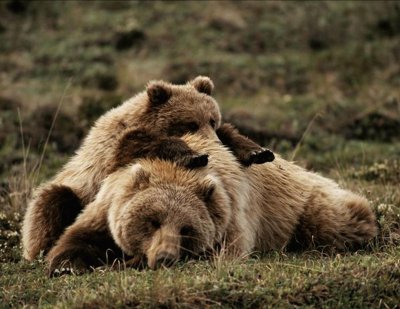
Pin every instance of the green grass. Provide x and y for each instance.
(313, 280)
(276, 279)
(276, 67)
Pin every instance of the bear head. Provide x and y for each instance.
(179, 109)
(163, 213)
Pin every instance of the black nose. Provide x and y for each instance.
(165, 259)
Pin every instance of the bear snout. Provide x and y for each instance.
(164, 249)
(165, 259)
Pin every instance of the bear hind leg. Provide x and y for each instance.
(361, 224)
(348, 224)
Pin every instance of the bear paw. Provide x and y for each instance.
(262, 156)
(68, 263)
(59, 267)
(67, 269)
(258, 157)
(196, 161)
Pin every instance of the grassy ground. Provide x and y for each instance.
(319, 82)
(361, 280)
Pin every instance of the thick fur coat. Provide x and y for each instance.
(146, 126)
(158, 212)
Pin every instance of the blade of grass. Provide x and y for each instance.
(60, 103)
(24, 153)
(306, 131)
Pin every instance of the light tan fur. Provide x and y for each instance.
(261, 208)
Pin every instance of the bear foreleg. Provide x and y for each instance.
(85, 245)
(140, 144)
(244, 149)
(53, 208)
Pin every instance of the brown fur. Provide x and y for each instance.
(139, 144)
(159, 212)
(164, 110)
(83, 247)
(57, 207)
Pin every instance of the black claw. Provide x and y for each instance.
(198, 161)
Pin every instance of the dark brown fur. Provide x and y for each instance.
(140, 144)
(61, 206)
(82, 250)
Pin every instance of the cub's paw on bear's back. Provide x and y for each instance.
(257, 157)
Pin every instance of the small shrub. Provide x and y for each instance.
(9, 237)
(129, 38)
(100, 76)
(374, 126)
(386, 171)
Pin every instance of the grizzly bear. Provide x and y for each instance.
(157, 212)
(147, 125)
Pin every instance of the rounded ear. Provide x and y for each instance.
(141, 177)
(207, 188)
(158, 92)
(203, 84)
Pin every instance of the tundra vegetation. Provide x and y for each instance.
(318, 82)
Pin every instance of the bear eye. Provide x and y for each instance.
(212, 123)
(186, 230)
(192, 126)
(155, 223)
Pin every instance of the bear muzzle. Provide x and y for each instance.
(165, 259)
(164, 249)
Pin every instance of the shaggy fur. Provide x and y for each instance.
(158, 212)
(145, 125)
(57, 207)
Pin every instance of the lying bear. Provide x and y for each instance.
(148, 125)
(157, 212)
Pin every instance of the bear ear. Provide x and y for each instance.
(206, 189)
(203, 84)
(158, 92)
(141, 177)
